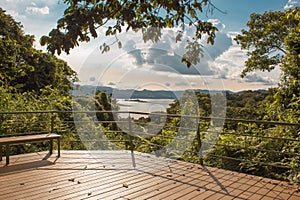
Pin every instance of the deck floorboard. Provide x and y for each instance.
(111, 175)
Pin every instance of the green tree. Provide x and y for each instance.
(272, 40)
(247, 104)
(265, 40)
(82, 19)
(31, 80)
(24, 67)
(104, 102)
(14, 45)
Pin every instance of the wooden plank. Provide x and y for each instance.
(102, 175)
(68, 185)
(165, 182)
(30, 192)
(136, 186)
(109, 184)
(27, 138)
(32, 187)
(114, 185)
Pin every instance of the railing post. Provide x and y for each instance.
(243, 133)
(130, 141)
(0, 152)
(129, 131)
(7, 153)
(52, 122)
(245, 142)
(199, 141)
(51, 147)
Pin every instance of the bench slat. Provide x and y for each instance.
(27, 138)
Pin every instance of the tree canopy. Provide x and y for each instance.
(267, 39)
(273, 40)
(83, 17)
(26, 68)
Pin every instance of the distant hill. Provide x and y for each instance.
(129, 93)
(140, 94)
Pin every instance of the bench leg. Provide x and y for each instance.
(58, 147)
(51, 147)
(0, 152)
(7, 154)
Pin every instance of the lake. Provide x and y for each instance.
(143, 105)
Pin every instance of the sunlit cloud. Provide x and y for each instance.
(36, 10)
(15, 14)
(291, 4)
(256, 78)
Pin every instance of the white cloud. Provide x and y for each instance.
(258, 78)
(14, 1)
(217, 23)
(36, 10)
(15, 14)
(163, 59)
(291, 4)
(230, 63)
(165, 56)
(182, 83)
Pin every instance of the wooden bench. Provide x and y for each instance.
(7, 141)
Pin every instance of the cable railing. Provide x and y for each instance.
(265, 148)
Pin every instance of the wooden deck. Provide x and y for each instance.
(111, 175)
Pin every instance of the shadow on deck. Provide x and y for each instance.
(111, 175)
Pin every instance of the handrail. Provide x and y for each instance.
(159, 114)
(239, 138)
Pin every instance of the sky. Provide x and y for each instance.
(140, 65)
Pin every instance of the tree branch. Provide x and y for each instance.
(279, 48)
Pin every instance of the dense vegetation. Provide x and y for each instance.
(272, 40)
(264, 149)
(31, 80)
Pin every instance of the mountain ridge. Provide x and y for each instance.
(142, 94)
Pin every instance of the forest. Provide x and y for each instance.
(32, 80)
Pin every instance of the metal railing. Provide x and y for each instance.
(265, 148)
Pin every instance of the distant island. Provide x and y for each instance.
(136, 100)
